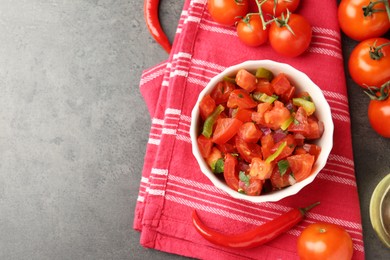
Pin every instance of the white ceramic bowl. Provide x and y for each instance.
(303, 83)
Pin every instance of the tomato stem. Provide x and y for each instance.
(259, 4)
(379, 94)
(305, 210)
(369, 9)
(376, 51)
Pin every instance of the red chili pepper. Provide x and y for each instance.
(153, 23)
(255, 237)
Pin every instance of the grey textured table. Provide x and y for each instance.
(74, 127)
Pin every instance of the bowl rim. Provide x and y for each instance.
(294, 75)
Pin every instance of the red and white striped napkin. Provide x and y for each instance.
(172, 185)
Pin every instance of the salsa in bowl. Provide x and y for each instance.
(261, 130)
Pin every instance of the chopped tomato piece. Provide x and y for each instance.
(301, 165)
(275, 117)
(221, 91)
(312, 149)
(244, 115)
(254, 187)
(258, 116)
(316, 128)
(264, 86)
(288, 95)
(267, 142)
(248, 151)
(278, 180)
(225, 129)
(206, 106)
(205, 144)
(249, 132)
(214, 155)
(230, 173)
(287, 150)
(281, 84)
(240, 98)
(300, 123)
(246, 80)
(260, 169)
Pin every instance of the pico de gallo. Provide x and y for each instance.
(257, 132)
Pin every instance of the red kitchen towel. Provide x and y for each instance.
(172, 185)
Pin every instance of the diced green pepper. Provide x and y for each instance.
(276, 153)
(210, 121)
(307, 105)
(287, 123)
(218, 166)
(264, 74)
(258, 96)
(229, 79)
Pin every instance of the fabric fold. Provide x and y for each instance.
(172, 185)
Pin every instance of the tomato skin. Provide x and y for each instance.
(240, 98)
(250, 31)
(301, 165)
(366, 71)
(285, 43)
(249, 132)
(379, 116)
(205, 145)
(246, 80)
(358, 27)
(324, 241)
(281, 6)
(248, 151)
(226, 128)
(230, 174)
(226, 11)
(206, 106)
(221, 91)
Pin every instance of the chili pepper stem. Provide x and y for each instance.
(305, 210)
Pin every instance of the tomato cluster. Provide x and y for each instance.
(369, 63)
(257, 132)
(288, 33)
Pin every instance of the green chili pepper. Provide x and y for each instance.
(210, 120)
(264, 74)
(307, 105)
(258, 96)
(276, 153)
(229, 79)
(287, 123)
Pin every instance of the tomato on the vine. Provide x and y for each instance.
(290, 36)
(379, 110)
(251, 32)
(227, 12)
(369, 62)
(363, 19)
(325, 241)
(277, 7)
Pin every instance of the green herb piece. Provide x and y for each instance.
(210, 121)
(264, 74)
(244, 178)
(307, 105)
(283, 166)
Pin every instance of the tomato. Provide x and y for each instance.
(278, 180)
(285, 42)
(264, 86)
(316, 128)
(244, 115)
(277, 7)
(249, 132)
(300, 124)
(205, 144)
(214, 155)
(301, 165)
(227, 12)
(379, 116)
(248, 151)
(287, 150)
(221, 91)
(359, 24)
(246, 80)
(267, 142)
(251, 32)
(254, 187)
(275, 117)
(206, 106)
(260, 169)
(369, 64)
(324, 241)
(240, 98)
(230, 174)
(258, 116)
(225, 129)
(281, 84)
